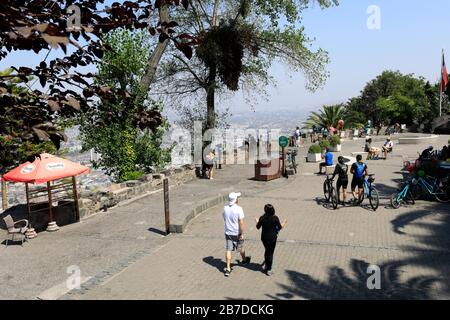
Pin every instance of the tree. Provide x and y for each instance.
(41, 26)
(236, 42)
(393, 97)
(327, 117)
(14, 151)
(127, 147)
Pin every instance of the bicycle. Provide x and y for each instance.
(330, 192)
(430, 186)
(371, 193)
(291, 160)
(404, 194)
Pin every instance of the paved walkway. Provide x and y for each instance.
(106, 243)
(322, 254)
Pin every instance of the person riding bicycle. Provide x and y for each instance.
(341, 171)
(359, 171)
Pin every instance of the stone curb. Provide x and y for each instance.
(180, 224)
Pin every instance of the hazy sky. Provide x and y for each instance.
(412, 35)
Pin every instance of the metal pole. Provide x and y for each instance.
(166, 205)
(4, 197)
(440, 84)
(50, 202)
(27, 190)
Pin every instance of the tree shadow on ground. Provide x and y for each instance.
(342, 286)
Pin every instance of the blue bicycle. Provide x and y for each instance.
(370, 193)
(404, 194)
(430, 187)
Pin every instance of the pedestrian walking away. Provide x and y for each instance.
(233, 216)
(271, 226)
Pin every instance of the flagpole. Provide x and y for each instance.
(440, 84)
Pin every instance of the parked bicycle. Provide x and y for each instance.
(330, 193)
(292, 154)
(404, 194)
(370, 193)
(431, 187)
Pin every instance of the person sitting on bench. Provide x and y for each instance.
(328, 161)
(387, 147)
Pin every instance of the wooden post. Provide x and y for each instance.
(166, 205)
(75, 198)
(4, 197)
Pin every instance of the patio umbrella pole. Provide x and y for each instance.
(31, 233)
(4, 198)
(52, 226)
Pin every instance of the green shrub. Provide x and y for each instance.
(315, 148)
(335, 140)
(133, 175)
(325, 144)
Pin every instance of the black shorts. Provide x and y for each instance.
(357, 182)
(342, 183)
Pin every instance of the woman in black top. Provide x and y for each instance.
(270, 227)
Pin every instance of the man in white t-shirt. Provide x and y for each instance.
(233, 216)
(387, 147)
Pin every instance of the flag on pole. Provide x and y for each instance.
(444, 75)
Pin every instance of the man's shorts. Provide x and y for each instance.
(357, 182)
(233, 243)
(342, 183)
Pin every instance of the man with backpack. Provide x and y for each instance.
(341, 171)
(359, 171)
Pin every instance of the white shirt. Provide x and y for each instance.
(231, 216)
(389, 144)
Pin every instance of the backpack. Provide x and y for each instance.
(360, 168)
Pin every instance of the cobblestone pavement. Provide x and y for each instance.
(106, 243)
(322, 254)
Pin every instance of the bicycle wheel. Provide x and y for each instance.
(410, 198)
(326, 190)
(395, 201)
(334, 198)
(441, 196)
(374, 199)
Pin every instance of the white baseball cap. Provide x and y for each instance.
(232, 197)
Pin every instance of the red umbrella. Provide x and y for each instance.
(44, 169)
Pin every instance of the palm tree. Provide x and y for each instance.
(328, 117)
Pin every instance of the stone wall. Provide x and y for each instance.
(95, 201)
